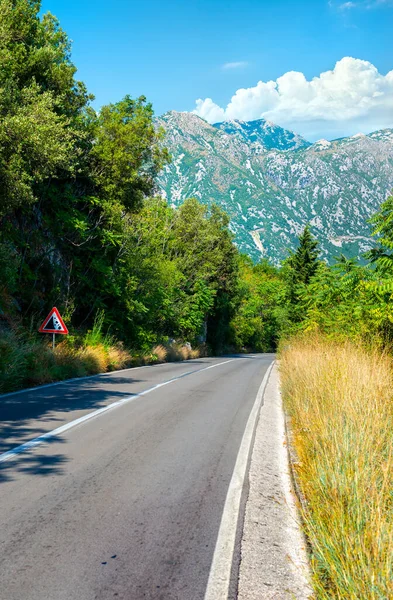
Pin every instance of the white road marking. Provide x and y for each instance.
(51, 434)
(77, 379)
(220, 570)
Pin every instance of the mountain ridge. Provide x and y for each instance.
(269, 192)
(268, 134)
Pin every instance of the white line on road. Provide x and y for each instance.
(52, 434)
(38, 388)
(220, 570)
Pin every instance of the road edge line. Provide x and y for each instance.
(221, 566)
(42, 439)
(97, 375)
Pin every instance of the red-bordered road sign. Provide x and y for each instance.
(53, 323)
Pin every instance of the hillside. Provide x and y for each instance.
(264, 133)
(272, 181)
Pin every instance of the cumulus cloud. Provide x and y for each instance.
(352, 97)
(240, 64)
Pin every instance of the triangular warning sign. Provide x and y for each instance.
(53, 323)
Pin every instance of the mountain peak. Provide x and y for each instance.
(382, 135)
(182, 117)
(185, 122)
(322, 143)
(265, 133)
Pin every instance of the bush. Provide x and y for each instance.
(178, 351)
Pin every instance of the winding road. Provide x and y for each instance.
(126, 493)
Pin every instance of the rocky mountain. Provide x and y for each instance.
(271, 181)
(265, 133)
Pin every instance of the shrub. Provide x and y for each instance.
(118, 357)
(173, 352)
(95, 358)
(13, 361)
(185, 352)
(160, 353)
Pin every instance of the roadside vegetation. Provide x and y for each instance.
(28, 361)
(339, 398)
(337, 377)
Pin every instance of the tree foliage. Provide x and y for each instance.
(350, 299)
(81, 226)
(304, 261)
(78, 226)
(40, 103)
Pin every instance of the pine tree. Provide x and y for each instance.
(304, 261)
(299, 269)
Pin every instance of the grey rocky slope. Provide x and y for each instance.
(271, 181)
(264, 133)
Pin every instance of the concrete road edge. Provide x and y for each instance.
(274, 561)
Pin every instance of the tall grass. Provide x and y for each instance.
(339, 398)
(96, 335)
(28, 360)
(173, 352)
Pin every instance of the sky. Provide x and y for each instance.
(323, 68)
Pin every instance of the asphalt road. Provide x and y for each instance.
(127, 505)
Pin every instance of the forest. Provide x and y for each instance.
(82, 227)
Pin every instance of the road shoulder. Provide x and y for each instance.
(274, 562)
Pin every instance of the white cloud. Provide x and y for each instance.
(240, 64)
(210, 111)
(347, 5)
(352, 97)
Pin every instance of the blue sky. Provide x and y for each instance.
(175, 52)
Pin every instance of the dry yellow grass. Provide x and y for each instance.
(339, 397)
(118, 358)
(95, 358)
(174, 353)
(160, 352)
(171, 353)
(25, 362)
(90, 359)
(184, 352)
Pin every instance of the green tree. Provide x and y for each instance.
(126, 155)
(257, 322)
(40, 103)
(298, 270)
(203, 248)
(70, 179)
(304, 261)
(382, 221)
